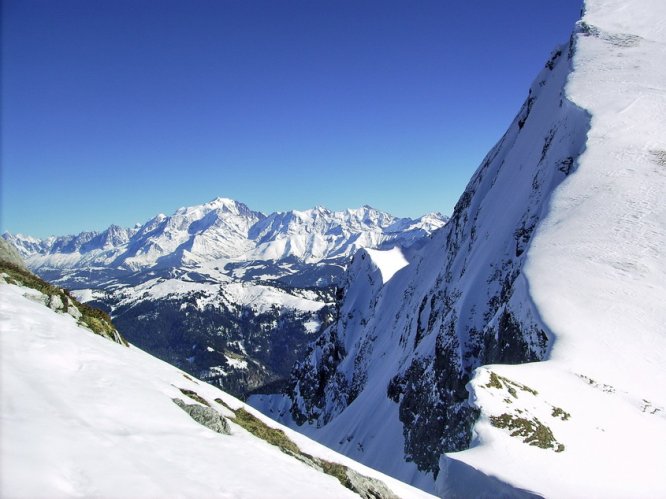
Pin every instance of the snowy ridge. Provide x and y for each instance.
(552, 255)
(597, 273)
(79, 411)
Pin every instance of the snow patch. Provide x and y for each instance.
(388, 261)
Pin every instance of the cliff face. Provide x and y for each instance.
(564, 210)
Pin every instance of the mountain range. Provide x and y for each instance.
(223, 229)
(228, 294)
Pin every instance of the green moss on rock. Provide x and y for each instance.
(494, 381)
(194, 396)
(499, 382)
(260, 429)
(336, 470)
(365, 487)
(558, 412)
(94, 319)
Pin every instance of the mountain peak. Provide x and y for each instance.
(222, 202)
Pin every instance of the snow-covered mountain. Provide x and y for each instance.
(82, 416)
(526, 339)
(226, 293)
(227, 230)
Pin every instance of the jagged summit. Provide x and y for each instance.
(220, 204)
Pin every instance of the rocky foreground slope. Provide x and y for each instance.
(526, 339)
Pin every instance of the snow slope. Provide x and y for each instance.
(388, 261)
(554, 253)
(84, 417)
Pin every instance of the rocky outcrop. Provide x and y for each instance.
(9, 254)
(368, 488)
(206, 416)
(60, 300)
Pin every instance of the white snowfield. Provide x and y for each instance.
(596, 272)
(85, 417)
(259, 297)
(388, 261)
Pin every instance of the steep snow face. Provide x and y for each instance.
(553, 252)
(597, 269)
(228, 230)
(78, 412)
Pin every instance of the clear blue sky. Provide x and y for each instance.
(116, 110)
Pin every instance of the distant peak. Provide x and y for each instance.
(230, 206)
(366, 208)
(221, 201)
(435, 214)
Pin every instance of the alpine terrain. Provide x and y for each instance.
(521, 349)
(83, 416)
(228, 294)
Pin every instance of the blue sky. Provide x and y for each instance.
(116, 110)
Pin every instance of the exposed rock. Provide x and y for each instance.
(9, 254)
(205, 416)
(74, 311)
(368, 488)
(55, 303)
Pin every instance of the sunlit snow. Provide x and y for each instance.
(85, 417)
